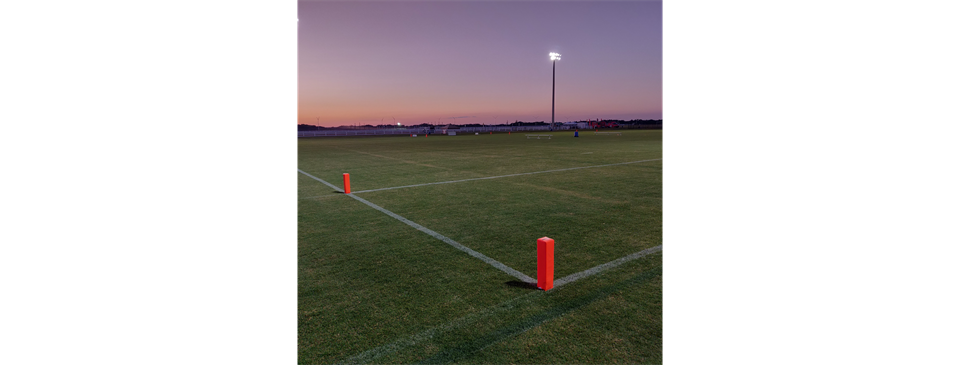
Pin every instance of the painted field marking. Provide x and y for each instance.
(371, 355)
(497, 177)
(374, 353)
(497, 264)
(600, 268)
(320, 180)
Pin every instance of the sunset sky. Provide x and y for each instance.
(477, 62)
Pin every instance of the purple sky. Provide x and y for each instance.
(478, 62)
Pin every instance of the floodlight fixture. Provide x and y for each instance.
(554, 56)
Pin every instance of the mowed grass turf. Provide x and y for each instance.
(375, 290)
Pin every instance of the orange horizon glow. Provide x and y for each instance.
(376, 62)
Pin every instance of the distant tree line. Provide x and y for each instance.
(637, 122)
(642, 122)
(527, 124)
(308, 127)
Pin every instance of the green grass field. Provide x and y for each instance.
(373, 289)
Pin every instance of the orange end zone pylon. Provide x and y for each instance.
(346, 183)
(545, 263)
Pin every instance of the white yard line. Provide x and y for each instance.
(497, 264)
(320, 180)
(497, 177)
(597, 269)
(373, 354)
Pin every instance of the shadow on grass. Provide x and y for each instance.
(520, 284)
(464, 350)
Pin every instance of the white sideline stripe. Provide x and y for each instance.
(595, 270)
(510, 271)
(377, 352)
(497, 177)
(318, 179)
(374, 353)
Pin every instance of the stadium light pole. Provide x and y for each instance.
(553, 99)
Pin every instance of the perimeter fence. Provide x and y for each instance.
(461, 130)
(397, 131)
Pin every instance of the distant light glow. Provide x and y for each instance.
(554, 56)
(398, 123)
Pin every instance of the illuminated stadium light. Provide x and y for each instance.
(554, 56)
